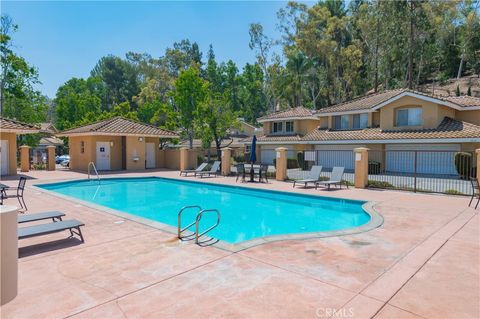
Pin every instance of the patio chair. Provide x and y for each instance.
(313, 176)
(335, 179)
(475, 191)
(50, 228)
(240, 172)
(215, 170)
(263, 172)
(193, 171)
(19, 195)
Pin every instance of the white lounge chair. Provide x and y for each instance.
(313, 176)
(214, 170)
(335, 179)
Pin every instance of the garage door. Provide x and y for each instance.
(336, 155)
(436, 159)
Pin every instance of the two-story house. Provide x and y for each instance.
(393, 120)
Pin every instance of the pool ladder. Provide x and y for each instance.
(92, 164)
(196, 222)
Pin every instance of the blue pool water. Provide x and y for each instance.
(245, 213)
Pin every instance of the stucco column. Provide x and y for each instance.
(361, 167)
(50, 158)
(281, 164)
(226, 156)
(478, 163)
(183, 158)
(24, 158)
(8, 254)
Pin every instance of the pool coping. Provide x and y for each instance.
(376, 219)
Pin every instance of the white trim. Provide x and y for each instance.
(346, 112)
(19, 131)
(279, 119)
(383, 141)
(418, 96)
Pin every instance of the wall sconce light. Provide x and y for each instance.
(111, 143)
(140, 139)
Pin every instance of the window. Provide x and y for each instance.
(82, 147)
(277, 127)
(409, 117)
(289, 127)
(342, 122)
(360, 121)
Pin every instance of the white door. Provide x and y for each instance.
(4, 157)
(103, 156)
(430, 158)
(150, 155)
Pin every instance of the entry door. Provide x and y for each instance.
(150, 155)
(103, 156)
(4, 157)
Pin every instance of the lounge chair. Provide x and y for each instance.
(240, 172)
(54, 215)
(335, 179)
(313, 176)
(19, 195)
(475, 191)
(50, 228)
(193, 171)
(214, 170)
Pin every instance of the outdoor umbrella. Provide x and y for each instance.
(253, 156)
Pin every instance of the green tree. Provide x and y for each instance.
(18, 98)
(190, 92)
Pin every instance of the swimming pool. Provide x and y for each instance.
(246, 213)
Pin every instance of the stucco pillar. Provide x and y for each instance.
(226, 156)
(24, 158)
(478, 163)
(50, 158)
(361, 167)
(183, 158)
(8, 254)
(281, 164)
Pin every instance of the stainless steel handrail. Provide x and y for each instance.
(180, 230)
(197, 220)
(92, 164)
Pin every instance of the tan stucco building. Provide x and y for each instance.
(9, 129)
(392, 120)
(116, 144)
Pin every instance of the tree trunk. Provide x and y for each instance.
(410, 53)
(377, 27)
(190, 140)
(459, 73)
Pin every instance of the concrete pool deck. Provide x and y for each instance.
(423, 262)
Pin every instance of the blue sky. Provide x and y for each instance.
(66, 39)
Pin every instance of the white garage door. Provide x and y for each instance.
(336, 155)
(431, 158)
(268, 155)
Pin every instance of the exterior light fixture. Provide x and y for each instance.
(140, 139)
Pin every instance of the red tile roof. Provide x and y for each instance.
(296, 112)
(448, 128)
(119, 126)
(14, 126)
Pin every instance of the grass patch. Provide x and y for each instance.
(379, 184)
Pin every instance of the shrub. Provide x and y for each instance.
(373, 167)
(442, 77)
(453, 192)
(463, 164)
(457, 91)
(239, 158)
(291, 163)
(301, 160)
(379, 184)
(469, 91)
